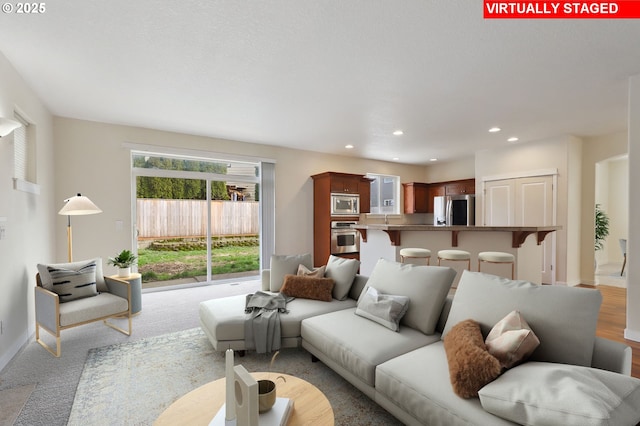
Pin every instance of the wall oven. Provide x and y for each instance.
(344, 239)
(345, 204)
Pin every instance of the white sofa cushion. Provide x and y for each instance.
(357, 344)
(418, 383)
(558, 394)
(282, 265)
(90, 308)
(343, 271)
(425, 286)
(563, 318)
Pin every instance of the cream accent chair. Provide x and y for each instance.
(113, 301)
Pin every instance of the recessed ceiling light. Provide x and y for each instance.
(513, 139)
(349, 146)
(433, 159)
(398, 133)
(494, 129)
(396, 159)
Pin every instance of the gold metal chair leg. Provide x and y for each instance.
(55, 353)
(121, 330)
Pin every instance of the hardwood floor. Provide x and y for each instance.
(612, 320)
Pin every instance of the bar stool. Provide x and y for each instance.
(417, 253)
(455, 256)
(498, 257)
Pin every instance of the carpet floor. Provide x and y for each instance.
(133, 383)
(56, 379)
(49, 384)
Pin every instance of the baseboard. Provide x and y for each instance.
(632, 335)
(13, 350)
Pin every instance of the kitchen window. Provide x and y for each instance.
(385, 194)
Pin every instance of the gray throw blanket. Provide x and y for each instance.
(262, 324)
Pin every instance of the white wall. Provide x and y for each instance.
(101, 170)
(612, 192)
(633, 272)
(451, 170)
(29, 218)
(595, 150)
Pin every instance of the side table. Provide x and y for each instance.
(135, 280)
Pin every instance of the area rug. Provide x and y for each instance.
(11, 402)
(133, 383)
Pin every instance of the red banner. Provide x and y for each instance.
(622, 9)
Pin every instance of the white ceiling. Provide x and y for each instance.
(320, 74)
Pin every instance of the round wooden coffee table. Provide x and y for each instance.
(199, 406)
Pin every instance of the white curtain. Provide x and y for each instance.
(267, 212)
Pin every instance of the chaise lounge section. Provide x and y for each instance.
(223, 320)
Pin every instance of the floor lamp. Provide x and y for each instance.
(76, 206)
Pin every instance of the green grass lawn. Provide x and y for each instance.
(168, 265)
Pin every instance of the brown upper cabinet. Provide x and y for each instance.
(464, 187)
(344, 183)
(418, 197)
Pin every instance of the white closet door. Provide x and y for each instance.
(527, 201)
(500, 203)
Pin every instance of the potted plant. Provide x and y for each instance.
(123, 261)
(602, 228)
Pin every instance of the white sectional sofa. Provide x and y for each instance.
(573, 377)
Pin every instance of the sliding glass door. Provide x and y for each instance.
(196, 220)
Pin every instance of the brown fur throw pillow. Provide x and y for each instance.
(307, 287)
(471, 366)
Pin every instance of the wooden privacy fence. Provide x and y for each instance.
(159, 218)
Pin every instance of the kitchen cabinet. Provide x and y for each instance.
(461, 187)
(323, 185)
(364, 189)
(345, 183)
(418, 196)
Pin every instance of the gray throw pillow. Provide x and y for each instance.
(71, 284)
(282, 265)
(564, 318)
(385, 309)
(343, 271)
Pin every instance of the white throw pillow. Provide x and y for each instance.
(72, 284)
(47, 284)
(385, 309)
(282, 265)
(343, 271)
(511, 340)
(425, 286)
(539, 393)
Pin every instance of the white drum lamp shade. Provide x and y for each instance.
(78, 205)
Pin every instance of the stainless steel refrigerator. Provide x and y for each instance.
(451, 210)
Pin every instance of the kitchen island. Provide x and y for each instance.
(524, 242)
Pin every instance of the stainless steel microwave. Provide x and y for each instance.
(345, 204)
